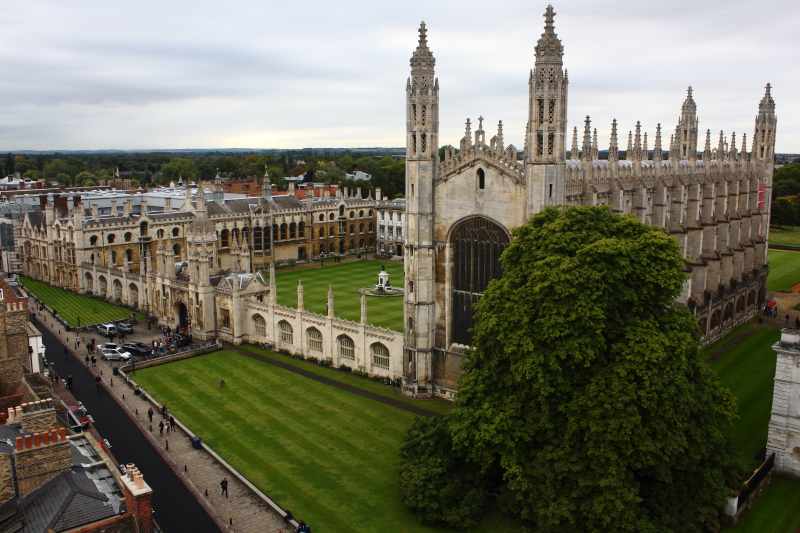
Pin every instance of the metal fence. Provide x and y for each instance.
(756, 479)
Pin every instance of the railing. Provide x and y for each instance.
(756, 479)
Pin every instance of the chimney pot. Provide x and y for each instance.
(19, 443)
(2, 419)
(62, 434)
(54, 435)
(46, 437)
(27, 441)
(36, 440)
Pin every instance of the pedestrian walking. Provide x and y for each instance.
(797, 322)
(150, 414)
(161, 428)
(58, 378)
(86, 360)
(88, 349)
(66, 353)
(77, 341)
(172, 422)
(787, 320)
(224, 485)
(69, 382)
(94, 361)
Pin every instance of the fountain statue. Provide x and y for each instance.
(383, 286)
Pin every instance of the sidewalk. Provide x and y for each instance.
(243, 511)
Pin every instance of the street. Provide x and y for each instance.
(175, 507)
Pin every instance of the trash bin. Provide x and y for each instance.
(115, 371)
(196, 443)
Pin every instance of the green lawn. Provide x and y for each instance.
(787, 235)
(776, 510)
(346, 279)
(434, 404)
(748, 370)
(784, 270)
(328, 455)
(77, 310)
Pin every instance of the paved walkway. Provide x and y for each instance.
(243, 511)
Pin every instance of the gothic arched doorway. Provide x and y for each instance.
(183, 317)
(477, 245)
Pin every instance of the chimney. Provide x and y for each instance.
(40, 459)
(378, 194)
(95, 215)
(113, 208)
(138, 496)
(168, 205)
(358, 192)
(76, 202)
(126, 207)
(144, 207)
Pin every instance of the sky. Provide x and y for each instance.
(95, 75)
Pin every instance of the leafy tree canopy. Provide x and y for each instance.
(783, 212)
(585, 387)
(177, 168)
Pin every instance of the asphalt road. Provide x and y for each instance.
(174, 506)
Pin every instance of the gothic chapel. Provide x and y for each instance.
(460, 209)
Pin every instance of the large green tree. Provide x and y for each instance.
(585, 386)
(177, 168)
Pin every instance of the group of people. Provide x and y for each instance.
(771, 310)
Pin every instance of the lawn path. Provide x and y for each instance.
(388, 401)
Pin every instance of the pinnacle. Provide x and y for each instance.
(423, 38)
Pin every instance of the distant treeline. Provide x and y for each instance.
(161, 168)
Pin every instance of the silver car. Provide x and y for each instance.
(115, 354)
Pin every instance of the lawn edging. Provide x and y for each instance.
(266, 499)
(784, 247)
(169, 358)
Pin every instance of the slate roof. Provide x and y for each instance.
(36, 218)
(69, 500)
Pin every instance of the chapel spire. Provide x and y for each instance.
(549, 49)
(764, 134)
(422, 61)
(686, 131)
(613, 147)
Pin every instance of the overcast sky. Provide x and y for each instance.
(88, 74)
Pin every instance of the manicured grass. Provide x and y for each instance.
(776, 510)
(434, 404)
(708, 350)
(748, 371)
(328, 455)
(346, 279)
(76, 309)
(787, 235)
(784, 270)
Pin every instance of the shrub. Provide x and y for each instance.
(345, 368)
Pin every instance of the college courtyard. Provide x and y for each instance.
(324, 442)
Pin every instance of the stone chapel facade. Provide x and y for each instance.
(460, 210)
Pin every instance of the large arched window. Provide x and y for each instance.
(260, 325)
(477, 245)
(321, 232)
(111, 238)
(301, 229)
(257, 238)
(176, 249)
(223, 236)
(347, 348)
(314, 339)
(380, 355)
(283, 232)
(287, 333)
(129, 254)
(292, 230)
(93, 240)
(176, 232)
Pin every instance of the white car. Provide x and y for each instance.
(115, 354)
(106, 329)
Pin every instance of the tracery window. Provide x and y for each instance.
(477, 245)
(551, 111)
(314, 339)
(380, 355)
(287, 333)
(347, 348)
(260, 325)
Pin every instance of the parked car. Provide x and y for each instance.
(79, 416)
(137, 348)
(107, 346)
(106, 329)
(115, 354)
(125, 327)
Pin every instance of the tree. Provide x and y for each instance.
(178, 168)
(299, 170)
(252, 165)
(783, 213)
(439, 484)
(585, 385)
(10, 166)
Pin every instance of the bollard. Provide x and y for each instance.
(231, 521)
(123, 395)
(206, 493)
(137, 412)
(101, 372)
(185, 469)
(112, 382)
(167, 445)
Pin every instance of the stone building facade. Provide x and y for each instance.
(784, 426)
(391, 235)
(461, 209)
(14, 356)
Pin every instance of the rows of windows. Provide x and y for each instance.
(345, 345)
(352, 214)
